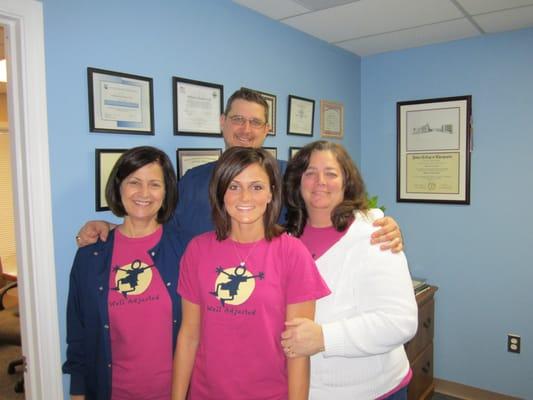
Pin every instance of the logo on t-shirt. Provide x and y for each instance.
(235, 285)
(132, 279)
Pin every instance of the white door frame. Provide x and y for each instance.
(28, 130)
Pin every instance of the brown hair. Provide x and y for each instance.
(232, 162)
(247, 95)
(354, 187)
(131, 161)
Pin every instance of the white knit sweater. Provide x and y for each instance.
(366, 320)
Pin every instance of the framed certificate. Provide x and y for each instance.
(434, 146)
(271, 101)
(120, 103)
(197, 107)
(190, 158)
(105, 160)
(272, 150)
(292, 151)
(331, 119)
(300, 116)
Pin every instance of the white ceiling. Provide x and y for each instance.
(367, 27)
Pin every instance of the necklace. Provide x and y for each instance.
(243, 260)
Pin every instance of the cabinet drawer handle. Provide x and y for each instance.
(427, 323)
(426, 367)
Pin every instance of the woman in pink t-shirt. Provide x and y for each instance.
(123, 310)
(357, 339)
(238, 285)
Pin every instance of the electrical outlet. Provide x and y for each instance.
(513, 343)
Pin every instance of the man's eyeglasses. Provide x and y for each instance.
(239, 120)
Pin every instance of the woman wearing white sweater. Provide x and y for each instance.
(359, 330)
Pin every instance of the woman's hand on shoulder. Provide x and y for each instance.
(389, 235)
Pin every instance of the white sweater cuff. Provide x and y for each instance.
(333, 339)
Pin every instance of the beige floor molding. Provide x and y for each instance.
(465, 392)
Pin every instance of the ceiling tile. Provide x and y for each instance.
(321, 4)
(516, 18)
(276, 9)
(429, 34)
(369, 17)
(483, 6)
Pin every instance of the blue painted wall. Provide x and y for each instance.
(208, 40)
(478, 255)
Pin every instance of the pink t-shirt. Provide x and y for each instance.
(319, 240)
(243, 312)
(140, 316)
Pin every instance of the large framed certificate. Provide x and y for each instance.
(120, 103)
(197, 107)
(434, 145)
(190, 158)
(105, 160)
(301, 116)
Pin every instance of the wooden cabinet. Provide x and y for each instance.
(420, 349)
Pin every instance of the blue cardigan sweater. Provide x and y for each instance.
(88, 339)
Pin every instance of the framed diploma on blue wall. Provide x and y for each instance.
(190, 158)
(434, 147)
(120, 103)
(301, 116)
(105, 160)
(197, 107)
(331, 119)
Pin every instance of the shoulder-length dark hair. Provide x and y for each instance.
(232, 162)
(131, 161)
(354, 188)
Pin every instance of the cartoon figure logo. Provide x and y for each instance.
(133, 278)
(235, 285)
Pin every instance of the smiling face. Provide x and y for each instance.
(142, 193)
(322, 184)
(244, 135)
(246, 200)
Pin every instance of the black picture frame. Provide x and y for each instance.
(292, 151)
(187, 158)
(434, 145)
(272, 150)
(300, 116)
(120, 102)
(198, 106)
(105, 159)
